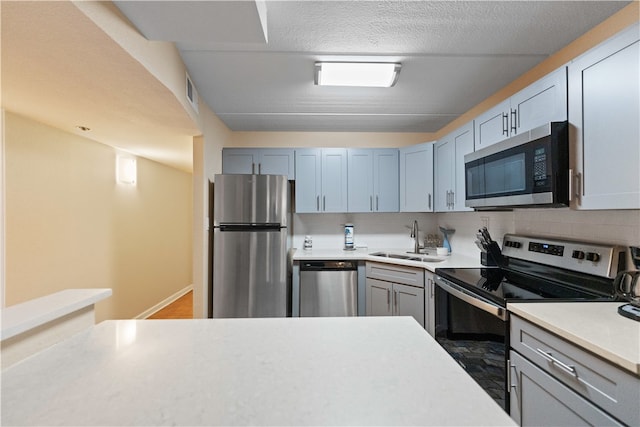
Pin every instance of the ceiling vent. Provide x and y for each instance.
(192, 95)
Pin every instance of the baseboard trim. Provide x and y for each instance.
(162, 304)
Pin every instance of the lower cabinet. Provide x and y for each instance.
(395, 291)
(429, 303)
(555, 382)
(537, 399)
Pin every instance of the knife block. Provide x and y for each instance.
(493, 256)
(487, 260)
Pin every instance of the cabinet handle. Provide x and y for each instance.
(388, 298)
(511, 366)
(569, 369)
(395, 300)
(377, 204)
(578, 187)
(324, 203)
(431, 288)
(259, 168)
(429, 200)
(570, 184)
(371, 203)
(514, 117)
(453, 199)
(253, 168)
(505, 124)
(317, 203)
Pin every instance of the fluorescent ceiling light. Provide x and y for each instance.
(372, 74)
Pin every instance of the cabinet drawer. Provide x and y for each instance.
(396, 273)
(607, 386)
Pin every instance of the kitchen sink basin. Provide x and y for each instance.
(420, 258)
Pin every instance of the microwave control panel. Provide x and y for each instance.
(540, 167)
(587, 257)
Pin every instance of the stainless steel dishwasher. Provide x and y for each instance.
(328, 288)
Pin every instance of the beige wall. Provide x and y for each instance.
(70, 225)
(207, 161)
(328, 139)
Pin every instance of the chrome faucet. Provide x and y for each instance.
(416, 239)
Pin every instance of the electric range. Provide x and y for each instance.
(471, 317)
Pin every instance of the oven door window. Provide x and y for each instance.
(477, 340)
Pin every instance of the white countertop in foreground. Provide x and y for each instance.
(595, 326)
(455, 260)
(293, 371)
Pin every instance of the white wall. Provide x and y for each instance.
(374, 230)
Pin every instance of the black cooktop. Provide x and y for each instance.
(524, 281)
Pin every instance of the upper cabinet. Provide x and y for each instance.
(373, 180)
(604, 99)
(262, 161)
(321, 180)
(542, 102)
(449, 169)
(416, 178)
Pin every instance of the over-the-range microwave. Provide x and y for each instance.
(530, 169)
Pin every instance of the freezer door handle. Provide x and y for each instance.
(250, 227)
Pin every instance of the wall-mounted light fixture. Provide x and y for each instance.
(126, 170)
(368, 74)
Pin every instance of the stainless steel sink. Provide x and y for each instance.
(420, 258)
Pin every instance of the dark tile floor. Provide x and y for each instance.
(484, 361)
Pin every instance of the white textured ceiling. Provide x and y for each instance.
(59, 68)
(454, 54)
(62, 69)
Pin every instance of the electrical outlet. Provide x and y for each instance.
(485, 221)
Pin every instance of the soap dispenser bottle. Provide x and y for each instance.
(446, 232)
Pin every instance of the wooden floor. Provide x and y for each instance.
(182, 308)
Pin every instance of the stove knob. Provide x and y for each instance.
(592, 256)
(508, 244)
(516, 245)
(578, 254)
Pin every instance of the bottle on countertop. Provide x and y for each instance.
(349, 244)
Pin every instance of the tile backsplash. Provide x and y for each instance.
(607, 226)
(391, 230)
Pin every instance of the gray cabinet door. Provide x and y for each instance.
(308, 180)
(334, 180)
(416, 178)
(492, 126)
(540, 103)
(429, 303)
(444, 167)
(537, 399)
(238, 161)
(265, 161)
(385, 180)
(277, 161)
(408, 301)
(464, 142)
(604, 106)
(360, 180)
(379, 298)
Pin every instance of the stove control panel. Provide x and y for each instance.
(586, 257)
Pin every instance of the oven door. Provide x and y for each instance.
(474, 331)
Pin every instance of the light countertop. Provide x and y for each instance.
(23, 317)
(453, 260)
(285, 371)
(595, 326)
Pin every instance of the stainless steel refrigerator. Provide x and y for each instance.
(251, 240)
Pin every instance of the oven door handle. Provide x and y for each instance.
(475, 300)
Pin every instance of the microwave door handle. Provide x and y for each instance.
(505, 124)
